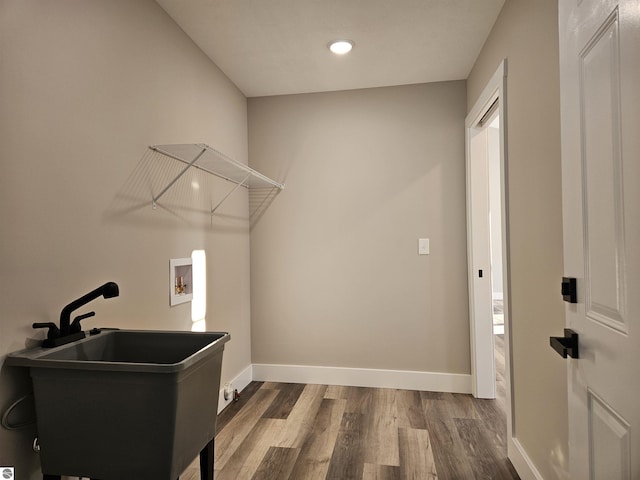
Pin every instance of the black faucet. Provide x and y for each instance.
(69, 332)
(108, 290)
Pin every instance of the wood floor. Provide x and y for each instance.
(281, 431)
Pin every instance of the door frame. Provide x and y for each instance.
(482, 354)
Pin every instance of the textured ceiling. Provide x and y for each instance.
(274, 47)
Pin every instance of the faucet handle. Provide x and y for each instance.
(75, 325)
(53, 332)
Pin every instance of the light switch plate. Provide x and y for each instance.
(423, 246)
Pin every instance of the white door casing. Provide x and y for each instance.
(600, 113)
(478, 240)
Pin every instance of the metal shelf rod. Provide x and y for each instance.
(230, 193)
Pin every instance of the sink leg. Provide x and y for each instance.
(206, 462)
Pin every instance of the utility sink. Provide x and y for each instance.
(126, 350)
(125, 404)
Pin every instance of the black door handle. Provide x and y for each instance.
(569, 288)
(567, 345)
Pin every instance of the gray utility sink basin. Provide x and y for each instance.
(125, 404)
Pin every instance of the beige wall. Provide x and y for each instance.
(335, 275)
(526, 33)
(85, 87)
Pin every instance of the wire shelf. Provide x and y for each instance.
(210, 160)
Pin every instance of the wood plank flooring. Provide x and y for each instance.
(280, 431)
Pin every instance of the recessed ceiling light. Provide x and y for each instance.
(340, 47)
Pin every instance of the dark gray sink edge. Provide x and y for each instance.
(36, 357)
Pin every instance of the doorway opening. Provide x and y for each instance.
(495, 222)
(488, 245)
(492, 126)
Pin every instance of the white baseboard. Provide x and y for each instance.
(364, 377)
(239, 382)
(521, 461)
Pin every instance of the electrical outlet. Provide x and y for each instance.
(228, 391)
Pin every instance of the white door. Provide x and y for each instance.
(600, 105)
(481, 308)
